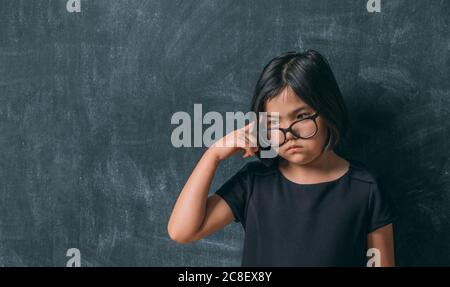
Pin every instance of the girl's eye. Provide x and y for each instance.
(301, 116)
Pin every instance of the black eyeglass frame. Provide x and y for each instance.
(289, 129)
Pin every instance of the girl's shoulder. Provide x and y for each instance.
(359, 171)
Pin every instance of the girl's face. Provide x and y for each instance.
(291, 108)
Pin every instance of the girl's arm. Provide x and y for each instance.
(383, 239)
(195, 215)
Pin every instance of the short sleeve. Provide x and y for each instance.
(234, 191)
(381, 208)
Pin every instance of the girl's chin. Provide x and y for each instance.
(298, 158)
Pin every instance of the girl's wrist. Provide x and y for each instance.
(212, 152)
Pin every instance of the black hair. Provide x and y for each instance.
(311, 78)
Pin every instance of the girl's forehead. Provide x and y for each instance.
(286, 100)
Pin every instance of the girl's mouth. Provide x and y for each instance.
(294, 148)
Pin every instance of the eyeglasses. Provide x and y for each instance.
(304, 129)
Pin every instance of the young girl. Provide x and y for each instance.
(306, 207)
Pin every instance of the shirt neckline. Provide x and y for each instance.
(315, 184)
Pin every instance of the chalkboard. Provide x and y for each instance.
(86, 100)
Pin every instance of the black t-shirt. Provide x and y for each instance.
(291, 224)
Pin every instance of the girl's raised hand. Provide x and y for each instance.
(239, 139)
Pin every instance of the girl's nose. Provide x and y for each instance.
(289, 136)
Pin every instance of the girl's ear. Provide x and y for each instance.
(328, 141)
